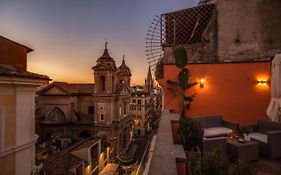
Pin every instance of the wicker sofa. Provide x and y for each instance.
(268, 135)
(214, 126)
(215, 132)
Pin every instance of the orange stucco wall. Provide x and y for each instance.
(230, 89)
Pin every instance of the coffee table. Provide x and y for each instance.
(247, 151)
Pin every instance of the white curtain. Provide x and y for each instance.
(273, 110)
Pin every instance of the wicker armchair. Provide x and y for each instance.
(215, 132)
(268, 135)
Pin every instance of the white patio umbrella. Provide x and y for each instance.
(275, 103)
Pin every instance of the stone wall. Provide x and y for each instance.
(248, 29)
(240, 30)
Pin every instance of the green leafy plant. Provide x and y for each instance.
(211, 163)
(183, 82)
(159, 69)
(190, 133)
(246, 129)
(193, 164)
(241, 167)
(181, 57)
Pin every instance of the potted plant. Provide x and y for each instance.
(191, 134)
(242, 168)
(246, 131)
(211, 163)
(183, 84)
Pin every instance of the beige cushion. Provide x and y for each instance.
(258, 136)
(216, 131)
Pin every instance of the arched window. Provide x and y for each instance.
(102, 83)
(120, 110)
(125, 107)
(55, 115)
(101, 117)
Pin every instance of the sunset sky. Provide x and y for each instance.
(67, 36)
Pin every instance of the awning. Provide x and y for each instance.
(109, 169)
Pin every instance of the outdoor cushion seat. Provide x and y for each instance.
(268, 135)
(258, 136)
(216, 131)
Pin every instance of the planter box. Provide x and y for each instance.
(175, 128)
(181, 166)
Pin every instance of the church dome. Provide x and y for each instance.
(105, 62)
(105, 55)
(123, 69)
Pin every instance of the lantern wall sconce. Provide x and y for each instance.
(202, 82)
(262, 82)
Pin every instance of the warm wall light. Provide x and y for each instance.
(202, 82)
(262, 82)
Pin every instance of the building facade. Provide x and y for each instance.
(112, 119)
(87, 157)
(65, 110)
(17, 109)
(140, 110)
(146, 106)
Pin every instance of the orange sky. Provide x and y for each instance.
(67, 36)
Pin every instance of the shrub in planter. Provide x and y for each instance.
(242, 168)
(211, 163)
(193, 164)
(190, 133)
